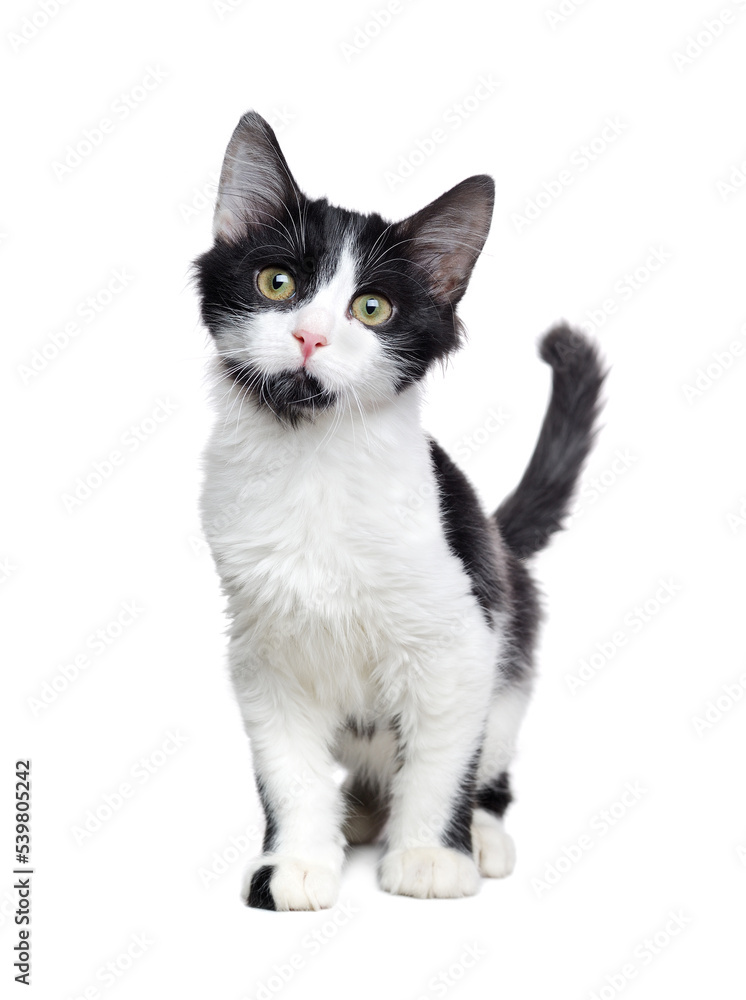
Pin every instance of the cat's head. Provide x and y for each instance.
(313, 306)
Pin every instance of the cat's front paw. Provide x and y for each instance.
(429, 873)
(494, 850)
(276, 882)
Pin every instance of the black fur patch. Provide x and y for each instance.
(260, 895)
(467, 531)
(538, 505)
(458, 833)
(290, 394)
(524, 618)
(270, 829)
(401, 749)
(362, 796)
(496, 796)
(362, 730)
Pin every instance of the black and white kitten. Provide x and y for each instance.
(379, 618)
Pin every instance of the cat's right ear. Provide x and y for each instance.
(255, 182)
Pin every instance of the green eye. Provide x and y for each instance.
(275, 283)
(371, 309)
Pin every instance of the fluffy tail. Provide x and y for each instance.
(538, 505)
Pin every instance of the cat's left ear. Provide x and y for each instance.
(446, 237)
(255, 183)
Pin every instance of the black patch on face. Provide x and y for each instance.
(306, 240)
(467, 531)
(291, 395)
(495, 796)
(260, 895)
(420, 330)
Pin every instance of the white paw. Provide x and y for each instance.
(277, 882)
(429, 873)
(494, 850)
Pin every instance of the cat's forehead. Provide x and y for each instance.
(337, 284)
(333, 243)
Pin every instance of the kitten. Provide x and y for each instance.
(379, 618)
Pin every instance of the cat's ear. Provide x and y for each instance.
(255, 182)
(445, 238)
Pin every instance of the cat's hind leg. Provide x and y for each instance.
(494, 850)
(440, 723)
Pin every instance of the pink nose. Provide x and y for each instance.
(309, 342)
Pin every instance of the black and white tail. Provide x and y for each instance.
(538, 505)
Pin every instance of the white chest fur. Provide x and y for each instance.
(329, 541)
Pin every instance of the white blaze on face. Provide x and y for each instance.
(352, 361)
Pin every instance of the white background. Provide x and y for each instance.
(350, 110)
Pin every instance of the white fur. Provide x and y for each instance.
(345, 600)
(506, 713)
(429, 872)
(494, 850)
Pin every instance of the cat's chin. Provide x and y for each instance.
(292, 394)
